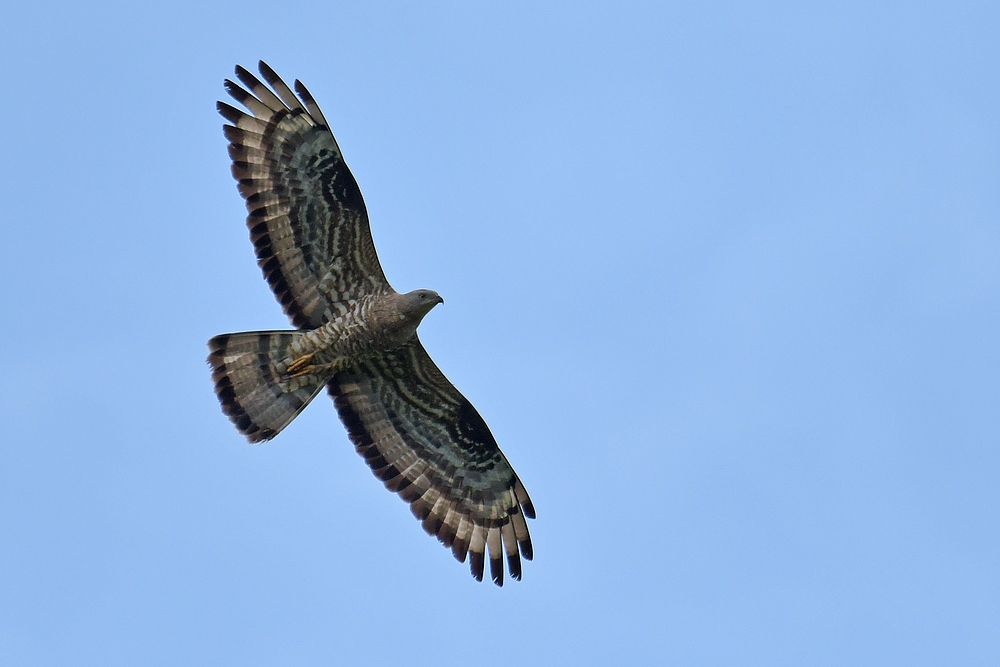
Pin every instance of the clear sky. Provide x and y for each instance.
(722, 277)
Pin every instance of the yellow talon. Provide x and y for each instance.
(300, 366)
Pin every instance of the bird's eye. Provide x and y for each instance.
(422, 296)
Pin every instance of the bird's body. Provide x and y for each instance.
(356, 336)
(287, 369)
(370, 327)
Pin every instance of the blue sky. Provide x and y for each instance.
(721, 277)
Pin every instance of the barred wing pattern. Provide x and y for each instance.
(427, 443)
(307, 219)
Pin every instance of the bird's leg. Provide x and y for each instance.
(300, 366)
(320, 341)
(315, 369)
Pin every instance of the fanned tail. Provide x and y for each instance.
(250, 372)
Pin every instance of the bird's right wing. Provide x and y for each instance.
(427, 443)
(307, 220)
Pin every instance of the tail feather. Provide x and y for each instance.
(249, 374)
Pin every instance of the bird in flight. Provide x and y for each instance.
(355, 335)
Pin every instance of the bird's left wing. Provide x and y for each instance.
(427, 443)
(307, 219)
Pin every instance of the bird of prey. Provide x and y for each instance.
(355, 335)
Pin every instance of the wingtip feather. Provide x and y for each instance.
(310, 103)
(281, 89)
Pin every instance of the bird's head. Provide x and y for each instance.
(419, 302)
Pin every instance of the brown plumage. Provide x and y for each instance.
(356, 336)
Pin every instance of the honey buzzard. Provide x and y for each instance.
(355, 335)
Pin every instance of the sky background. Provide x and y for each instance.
(722, 277)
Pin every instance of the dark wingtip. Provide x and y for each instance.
(526, 549)
(496, 570)
(528, 509)
(460, 549)
(514, 564)
(310, 102)
(229, 112)
(236, 91)
(266, 72)
(476, 565)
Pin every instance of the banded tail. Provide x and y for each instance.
(250, 375)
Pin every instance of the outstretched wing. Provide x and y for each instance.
(427, 443)
(307, 220)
